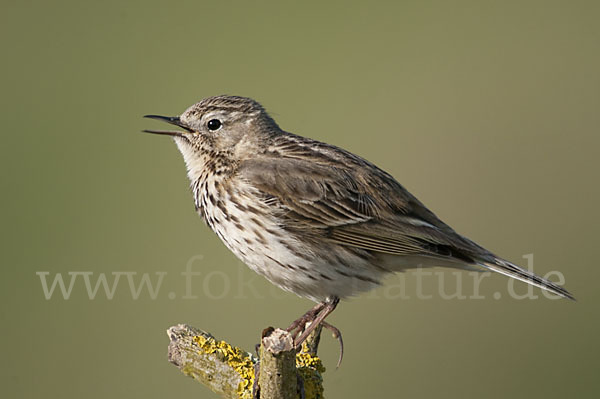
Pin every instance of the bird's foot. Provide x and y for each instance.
(298, 326)
(306, 324)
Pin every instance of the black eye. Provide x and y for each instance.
(213, 124)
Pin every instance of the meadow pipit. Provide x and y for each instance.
(312, 218)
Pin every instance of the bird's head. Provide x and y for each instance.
(225, 126)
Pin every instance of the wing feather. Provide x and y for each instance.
(350, 204)
(328, 193)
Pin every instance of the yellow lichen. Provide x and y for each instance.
(310, 369)
(239, 360)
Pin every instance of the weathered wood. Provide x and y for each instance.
(229, 371)
(226, 370)
(278, 378)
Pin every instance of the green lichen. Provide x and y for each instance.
(239, 360)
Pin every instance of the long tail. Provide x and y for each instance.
(511, 270)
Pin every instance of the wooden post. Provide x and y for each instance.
(230, 371)
(278, 378)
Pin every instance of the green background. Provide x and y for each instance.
(487, 111)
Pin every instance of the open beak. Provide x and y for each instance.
(173, 120)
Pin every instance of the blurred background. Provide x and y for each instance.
(487, 111)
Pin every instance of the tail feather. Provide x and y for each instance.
(511, 270)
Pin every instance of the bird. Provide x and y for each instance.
(311, 217)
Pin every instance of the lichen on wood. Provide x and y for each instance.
(225, 369)
(229, 371)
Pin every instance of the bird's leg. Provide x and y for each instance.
(298, 325)
(315, 318)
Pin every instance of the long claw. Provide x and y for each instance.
(336, 334)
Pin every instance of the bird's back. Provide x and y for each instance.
(339, 201)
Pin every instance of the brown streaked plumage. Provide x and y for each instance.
(312, 218)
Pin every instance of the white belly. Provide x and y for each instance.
(281, 257)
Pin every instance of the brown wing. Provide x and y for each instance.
(340, 197)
